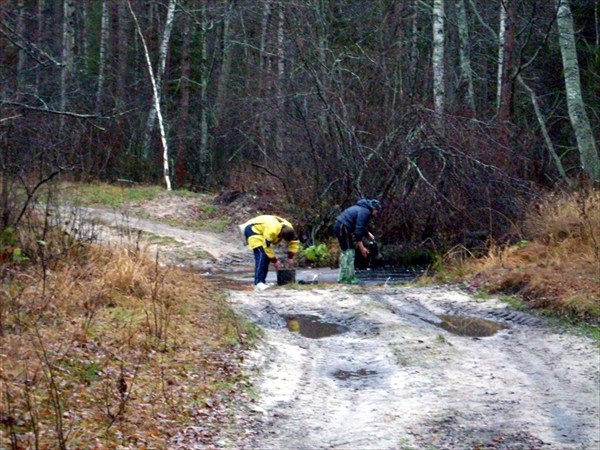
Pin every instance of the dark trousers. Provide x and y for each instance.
(261, 260)
(343, 236)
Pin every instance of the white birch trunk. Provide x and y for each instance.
(156, 99)
(439, 89)
(465, 59)
(122, 52)
(21, 53)
(264, 69)
(162, 64)
(203, 158)
(414, 49)
(68, 44)
(588, 153)
(39, 39)
(224, 73)
(280, 77)
(501, 44)
(542, 122)
(102, 61)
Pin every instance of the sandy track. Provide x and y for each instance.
(409, 383)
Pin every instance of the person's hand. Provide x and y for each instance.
(277, 265)
(371, 236)
(364, 251)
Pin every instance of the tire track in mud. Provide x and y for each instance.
(396, 379)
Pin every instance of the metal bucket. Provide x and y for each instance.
(286, 276)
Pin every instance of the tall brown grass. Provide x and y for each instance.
(108, 348)
(556, 264)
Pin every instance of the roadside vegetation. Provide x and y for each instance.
(105, 347)
(552, 266)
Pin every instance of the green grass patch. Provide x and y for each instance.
(567, 321)
(110, 196)
(161, 240)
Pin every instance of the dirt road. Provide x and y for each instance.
(373, 367)
(393, 378)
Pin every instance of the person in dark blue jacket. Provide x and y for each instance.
(350, 228)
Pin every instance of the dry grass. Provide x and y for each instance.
(557, 264)
(111, 349)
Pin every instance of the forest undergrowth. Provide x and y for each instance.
(106, 347)
(553, 267)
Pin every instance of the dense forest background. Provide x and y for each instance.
(455, 113)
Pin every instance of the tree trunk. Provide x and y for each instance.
(414, 41)
(21, 57)
(121, 51)
(102, 59)
(39, 38)
(466, 72)
(184, 105)
(264, 70)
(160, 72)
(542, 122)
(225, 69)
(588, 153)
(155, 94)
(203, 156)
(501, 46)
(280, 79)
(439, 88)
(506, 87)
(68, 45)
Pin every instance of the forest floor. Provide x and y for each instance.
(385, 367)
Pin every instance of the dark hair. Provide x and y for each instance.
(288, 233)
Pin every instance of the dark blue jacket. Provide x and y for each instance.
(356, 218)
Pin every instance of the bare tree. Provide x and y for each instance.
(588, 153)
(466, 71)
(158, 77)
(156, 93)
(68, 50)
(439, 87)
(225, 67)
(102, 59)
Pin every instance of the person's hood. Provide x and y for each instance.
(364, 203)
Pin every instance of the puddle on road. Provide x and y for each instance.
(313, 327)
(470, 326)
(353, 374)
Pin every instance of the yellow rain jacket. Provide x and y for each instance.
(268, 229)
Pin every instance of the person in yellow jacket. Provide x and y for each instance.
(261, 234)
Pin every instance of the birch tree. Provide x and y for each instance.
(68, 50)
(505, 66)
(225, 69)
(280, 77)
(466, 71)
(203, 155)
(155, 94)
(21, 52)
(184, 104)
(501, 45)
(160, 72)
(439, 89)
(102, 57)
(588, 153)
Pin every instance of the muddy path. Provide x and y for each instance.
(392, 377)
(395, 367)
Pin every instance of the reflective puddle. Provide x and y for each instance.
(470, 326)
(312, 326)
(353, 374)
